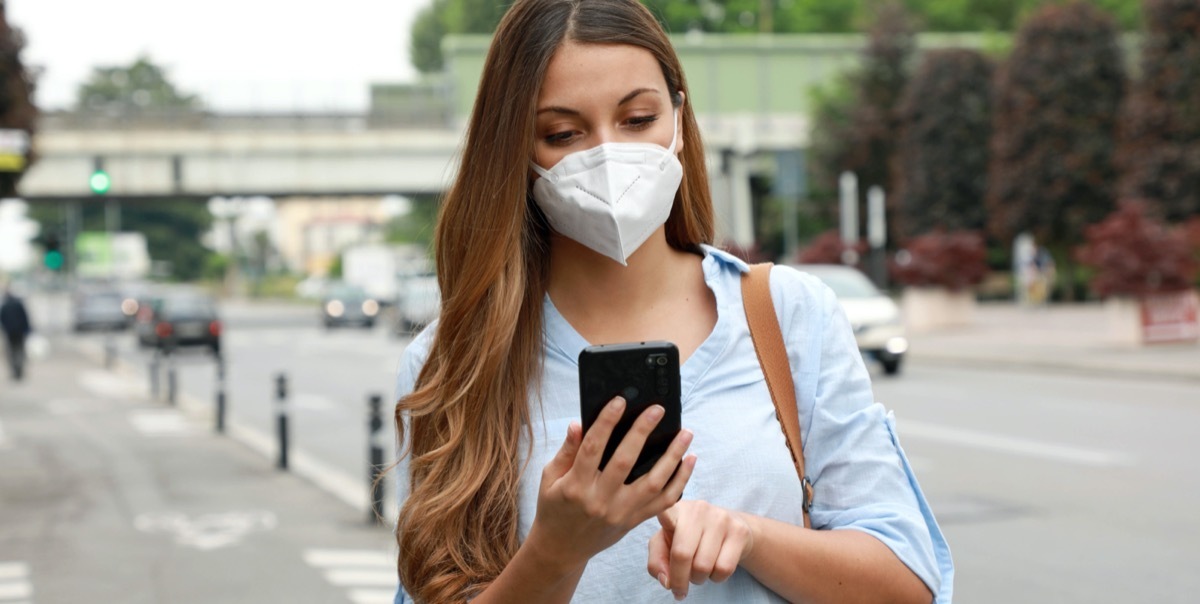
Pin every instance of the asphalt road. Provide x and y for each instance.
(1050, 488)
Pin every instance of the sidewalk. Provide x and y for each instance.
(1071, 338)
(108, 497)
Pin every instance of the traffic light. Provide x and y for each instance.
(53, 258)
(100, 182)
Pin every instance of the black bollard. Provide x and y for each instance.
(375, 472)
(220, 419)
(281, 412)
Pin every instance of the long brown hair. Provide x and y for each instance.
(458, 529)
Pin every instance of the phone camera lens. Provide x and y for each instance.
(662, 360)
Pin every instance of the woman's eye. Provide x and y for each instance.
(643, 122)
(559, 138)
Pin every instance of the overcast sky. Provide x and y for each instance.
(275, 55)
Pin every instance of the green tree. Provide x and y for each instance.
(138, 87)
(942, 159)
(425, 46)
(1160, 147)
(444, 17)
(1057, 98)
(17, 111)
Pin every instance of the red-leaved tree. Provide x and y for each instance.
(1134, 254)
(955, 260)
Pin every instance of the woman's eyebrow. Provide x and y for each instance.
(632, 95)
(568, 111)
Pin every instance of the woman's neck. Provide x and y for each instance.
(584, 283)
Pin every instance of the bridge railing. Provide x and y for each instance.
(182, 119)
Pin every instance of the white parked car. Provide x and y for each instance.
(878, 325)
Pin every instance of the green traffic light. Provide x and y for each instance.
(54, 260)
(100, 182)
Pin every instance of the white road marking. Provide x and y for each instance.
(311, 402)
(370, 575)
(1013, 445)
(325, 558)
(372, 596)
(362, 578)
(13, 570)
(107, 385)
(208, 531)
(160, 423)
(14, 582)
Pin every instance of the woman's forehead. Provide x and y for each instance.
(583, 74)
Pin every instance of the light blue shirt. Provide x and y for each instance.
(861, 477)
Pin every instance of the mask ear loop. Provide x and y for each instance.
(674, 139)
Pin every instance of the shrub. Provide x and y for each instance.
(1134, 254)
(955, 260)
(827, 248)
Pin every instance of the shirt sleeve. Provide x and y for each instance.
(411, 363)
(861, 478)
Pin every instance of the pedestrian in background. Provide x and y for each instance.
(581, 214)
(15, 322)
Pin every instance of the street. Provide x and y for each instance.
(1050, 487)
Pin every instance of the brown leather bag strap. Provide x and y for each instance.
(772, 355)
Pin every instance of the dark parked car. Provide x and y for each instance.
(99, 309)
(348, 305)
(179, 319)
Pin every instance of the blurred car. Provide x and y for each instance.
(346, 304)
(133, 296)
(98, 309)
(875, 318)
(418, 303)
(177, 319)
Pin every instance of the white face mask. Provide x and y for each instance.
(611, 197)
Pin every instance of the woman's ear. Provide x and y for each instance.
(679, 121)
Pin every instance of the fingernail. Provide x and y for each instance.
(662, 578)
(655, 412)
(618, 404)
(680, 596)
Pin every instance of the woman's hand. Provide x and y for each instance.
(698, 542)
(582, 510)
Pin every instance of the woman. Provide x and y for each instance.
(581, 215)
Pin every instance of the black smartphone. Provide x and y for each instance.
(645, 374)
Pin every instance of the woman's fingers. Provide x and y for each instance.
(668, 464)
(684, 543)
(729, 558)
(704, 559)
(565, 458)
(591, 449)
(630, 448)
(658, 563)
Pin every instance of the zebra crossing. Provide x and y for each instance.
(15, 584)
(369, 576)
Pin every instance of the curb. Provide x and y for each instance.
(1051, 366)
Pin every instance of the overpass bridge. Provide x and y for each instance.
(200, 156)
